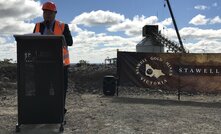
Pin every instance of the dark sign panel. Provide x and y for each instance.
(188, 72)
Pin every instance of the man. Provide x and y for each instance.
(50, 26)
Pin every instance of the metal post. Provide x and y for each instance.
(174, 22)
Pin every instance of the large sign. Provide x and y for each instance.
(187, 72)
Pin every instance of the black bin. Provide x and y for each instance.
(109, 85)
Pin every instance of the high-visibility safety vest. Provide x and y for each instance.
(58, 30)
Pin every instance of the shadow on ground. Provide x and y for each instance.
(164, 102)
(40, 129)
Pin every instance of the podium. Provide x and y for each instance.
(40, 80)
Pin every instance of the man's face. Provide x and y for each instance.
(49, 15)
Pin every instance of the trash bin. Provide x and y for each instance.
(109, 85)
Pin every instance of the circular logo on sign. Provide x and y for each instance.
(153, 71)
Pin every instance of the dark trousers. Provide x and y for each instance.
(65, 82)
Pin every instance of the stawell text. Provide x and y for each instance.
(204, 71)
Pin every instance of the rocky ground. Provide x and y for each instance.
(134, 111)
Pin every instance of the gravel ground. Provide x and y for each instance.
(125, 114)
(134, 111)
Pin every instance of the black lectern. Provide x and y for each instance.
(40, 80)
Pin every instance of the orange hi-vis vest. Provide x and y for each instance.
(58, 30)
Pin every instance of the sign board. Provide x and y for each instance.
(170, 71)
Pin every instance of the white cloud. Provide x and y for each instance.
(133, 27)
(167, 22)
(204, 46)
(202, 20)
(199, 34)
(201, 7)
(7, 49)
(215, 20)
(2, 40)
(10, 27)
(120, 24)
(96, 47)
(202, 40)
(199, 20)
(15, 19)
(20, 9)
(74, 28)
(215, 4)
(99, 17)
(197, 40)
(16, 15)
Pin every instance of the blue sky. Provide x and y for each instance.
(100, 27)
(183, 9)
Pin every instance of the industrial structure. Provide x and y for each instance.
(155, 42)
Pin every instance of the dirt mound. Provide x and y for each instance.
(8, 72)
(81, 78)
(8, 77)
(89, 78)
